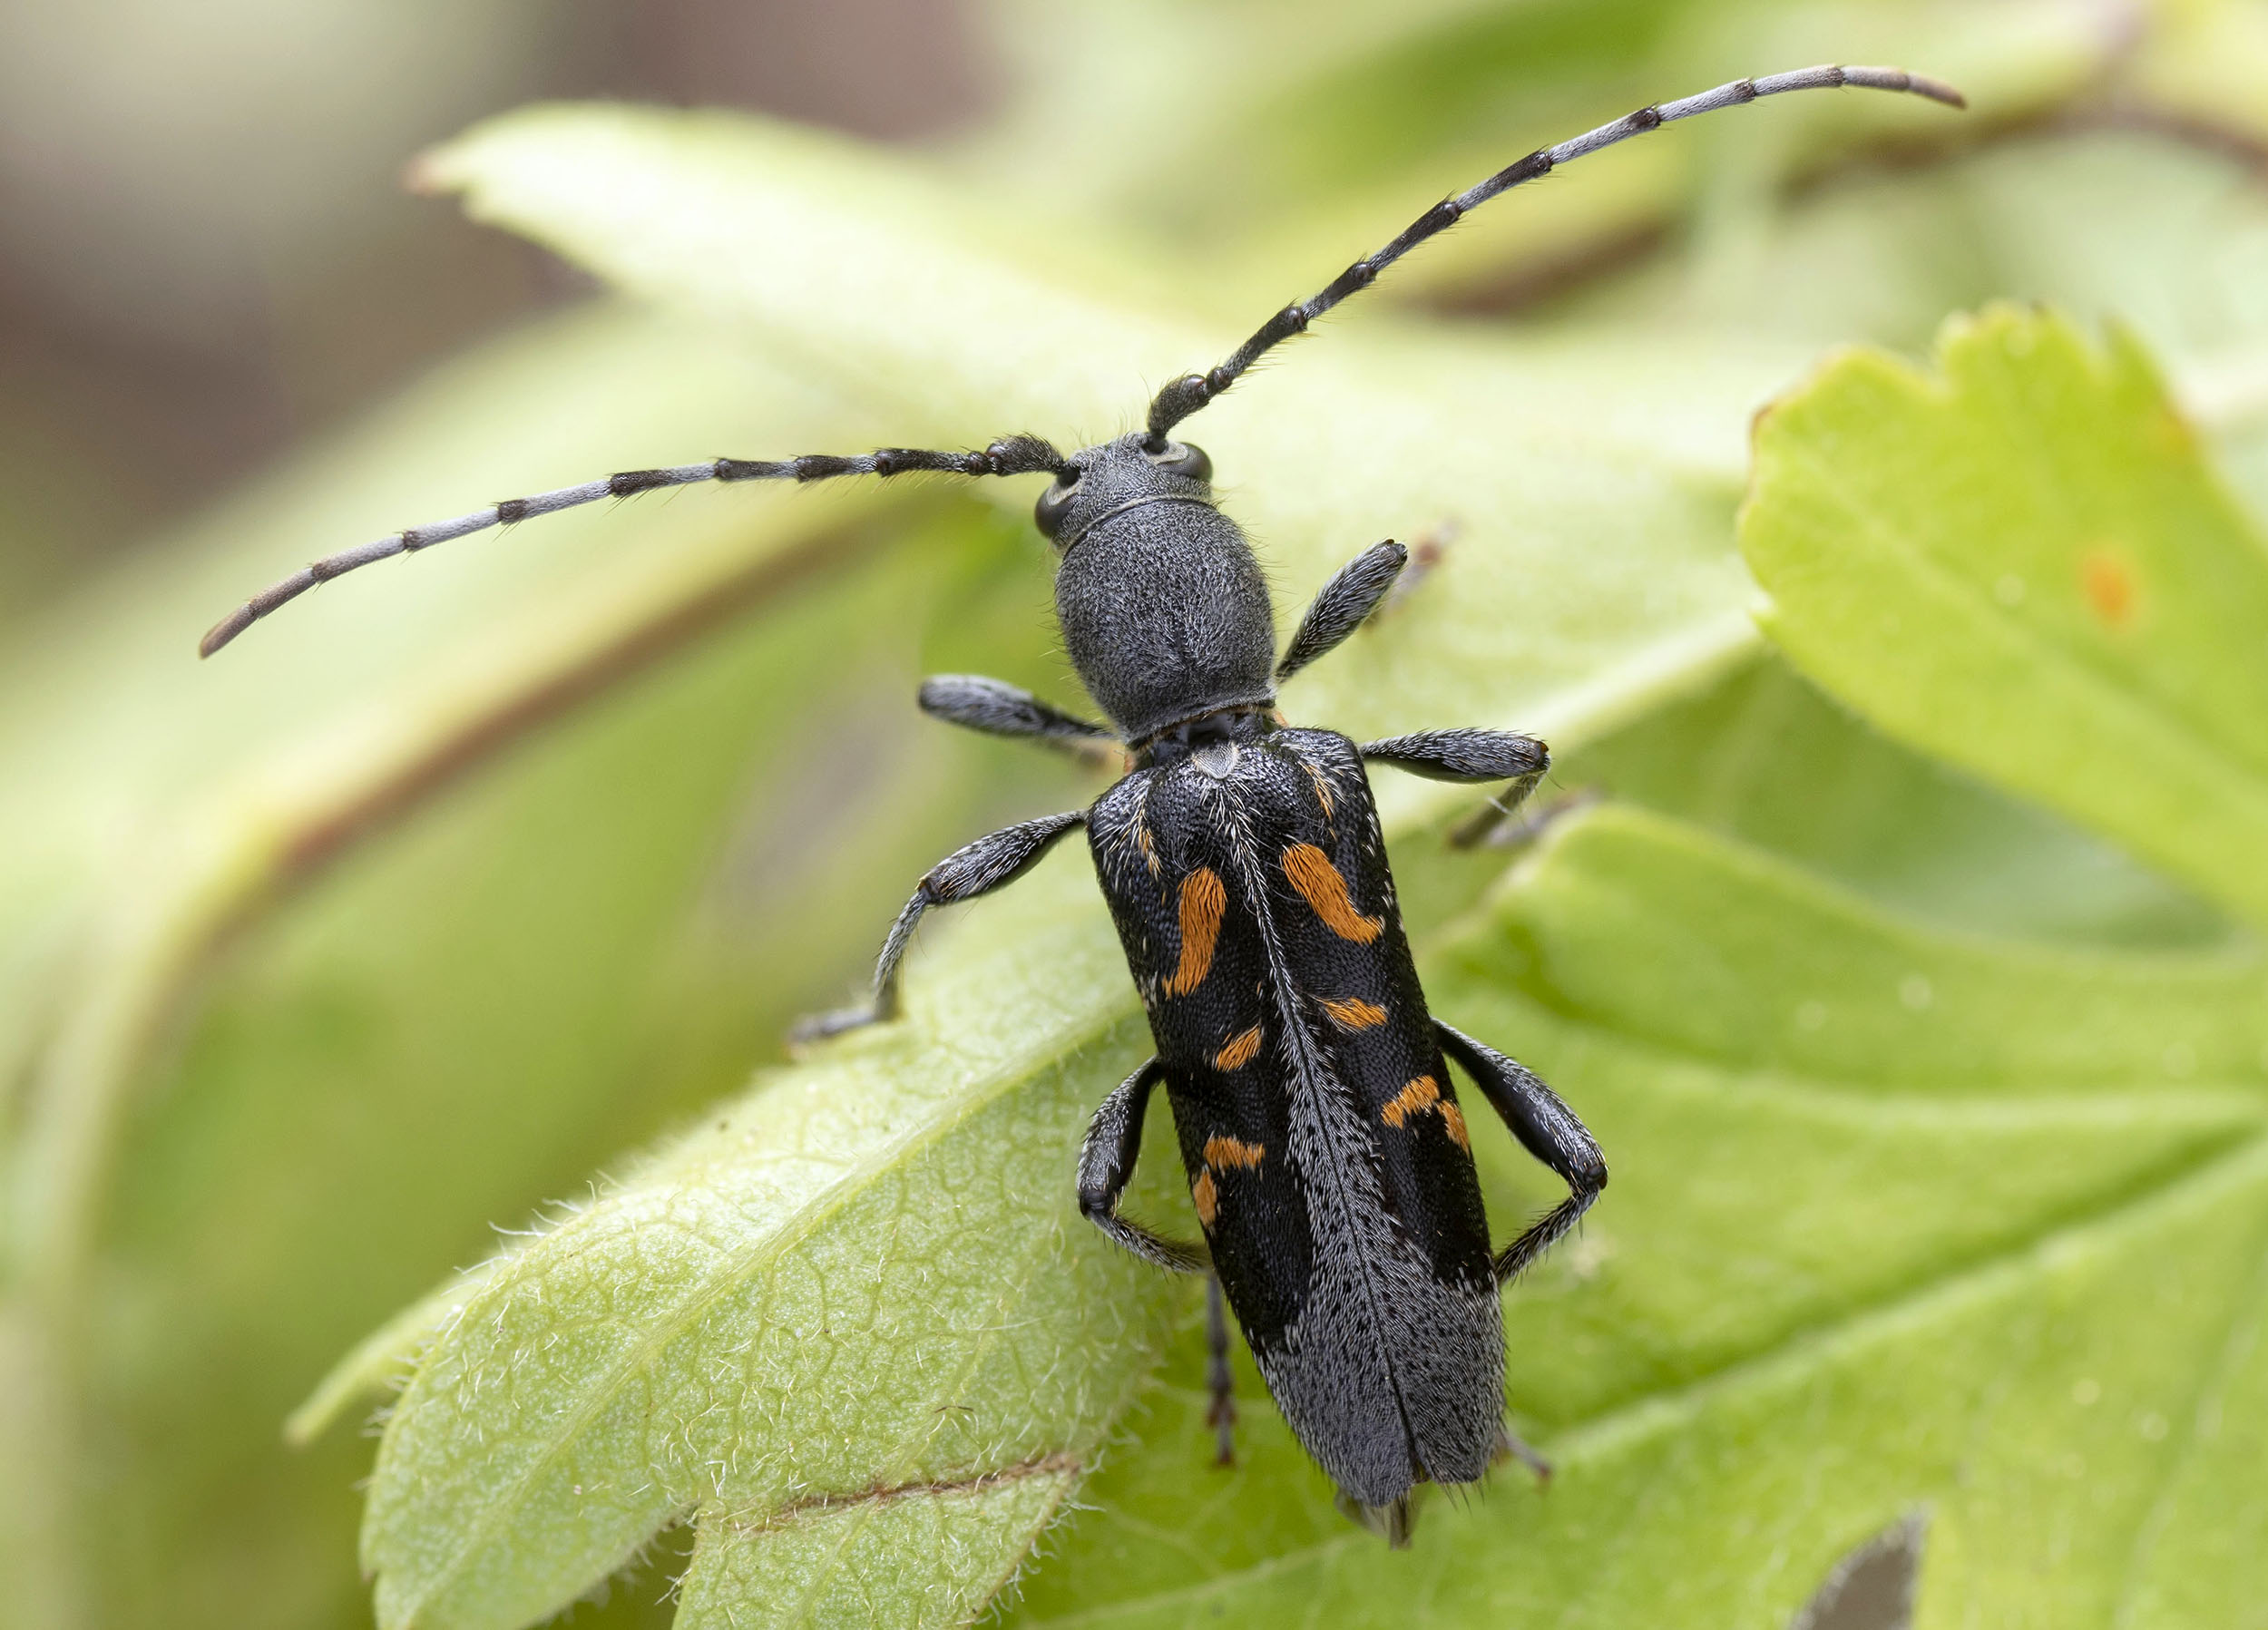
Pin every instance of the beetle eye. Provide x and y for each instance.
(1184, 459)
(1048, 514)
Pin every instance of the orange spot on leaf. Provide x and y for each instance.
(2109, 585)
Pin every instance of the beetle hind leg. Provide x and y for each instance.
(1106, 1166)
(1511, 1446)
(1219, 1379)
(1391, 1521)
(1546, 1128)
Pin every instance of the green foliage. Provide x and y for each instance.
(2030, 571)
(1934, 1111)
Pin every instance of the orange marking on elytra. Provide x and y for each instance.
(2110, 587)
(1416, 1099)
(1207, 1200)
(1454, 1120)
(1239, 1050)
(1203, 903)
(1353, 1013)
(1320, 884)
(1222, 1152)
(1323, 788)
(1142, 840)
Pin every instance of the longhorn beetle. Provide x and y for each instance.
(1327, 1155)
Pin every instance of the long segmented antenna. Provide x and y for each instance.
(1187, 394)
(1010, 455)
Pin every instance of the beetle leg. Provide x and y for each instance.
(1219, 1379)
(996, 708)
(1343, 603)
(1106, 1164)
(978, 868)
(1511, 1446)
(1546, 1128)
(1470, 755)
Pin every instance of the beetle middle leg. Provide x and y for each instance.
(1546, 1128)
(991, 861)
(1511, 1446)
(1468, 756)
(1106, 1166)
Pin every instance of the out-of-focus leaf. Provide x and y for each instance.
(2165, 234)
(1762, 759)
(1282, 140)
(2025, 566)
(2207, 61)
(1717, 936)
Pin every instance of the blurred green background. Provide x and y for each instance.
(320, 966)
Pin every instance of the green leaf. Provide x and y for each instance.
(925, 1556)
(1873, 997)
(2026, 566)
(861, 1278)
(1275, 141)
(617, 1374)
(1905, 1218)
(582, 939)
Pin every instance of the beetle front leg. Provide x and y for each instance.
(1351, 595)
(1106, 1166)
(1546, 1128)
(991, 861)
(995, 707)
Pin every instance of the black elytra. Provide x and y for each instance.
(1328, 1155)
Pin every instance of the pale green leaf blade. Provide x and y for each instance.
(2202, 1556)
(1756, 963)
(2024, 565)
(866, 1275)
